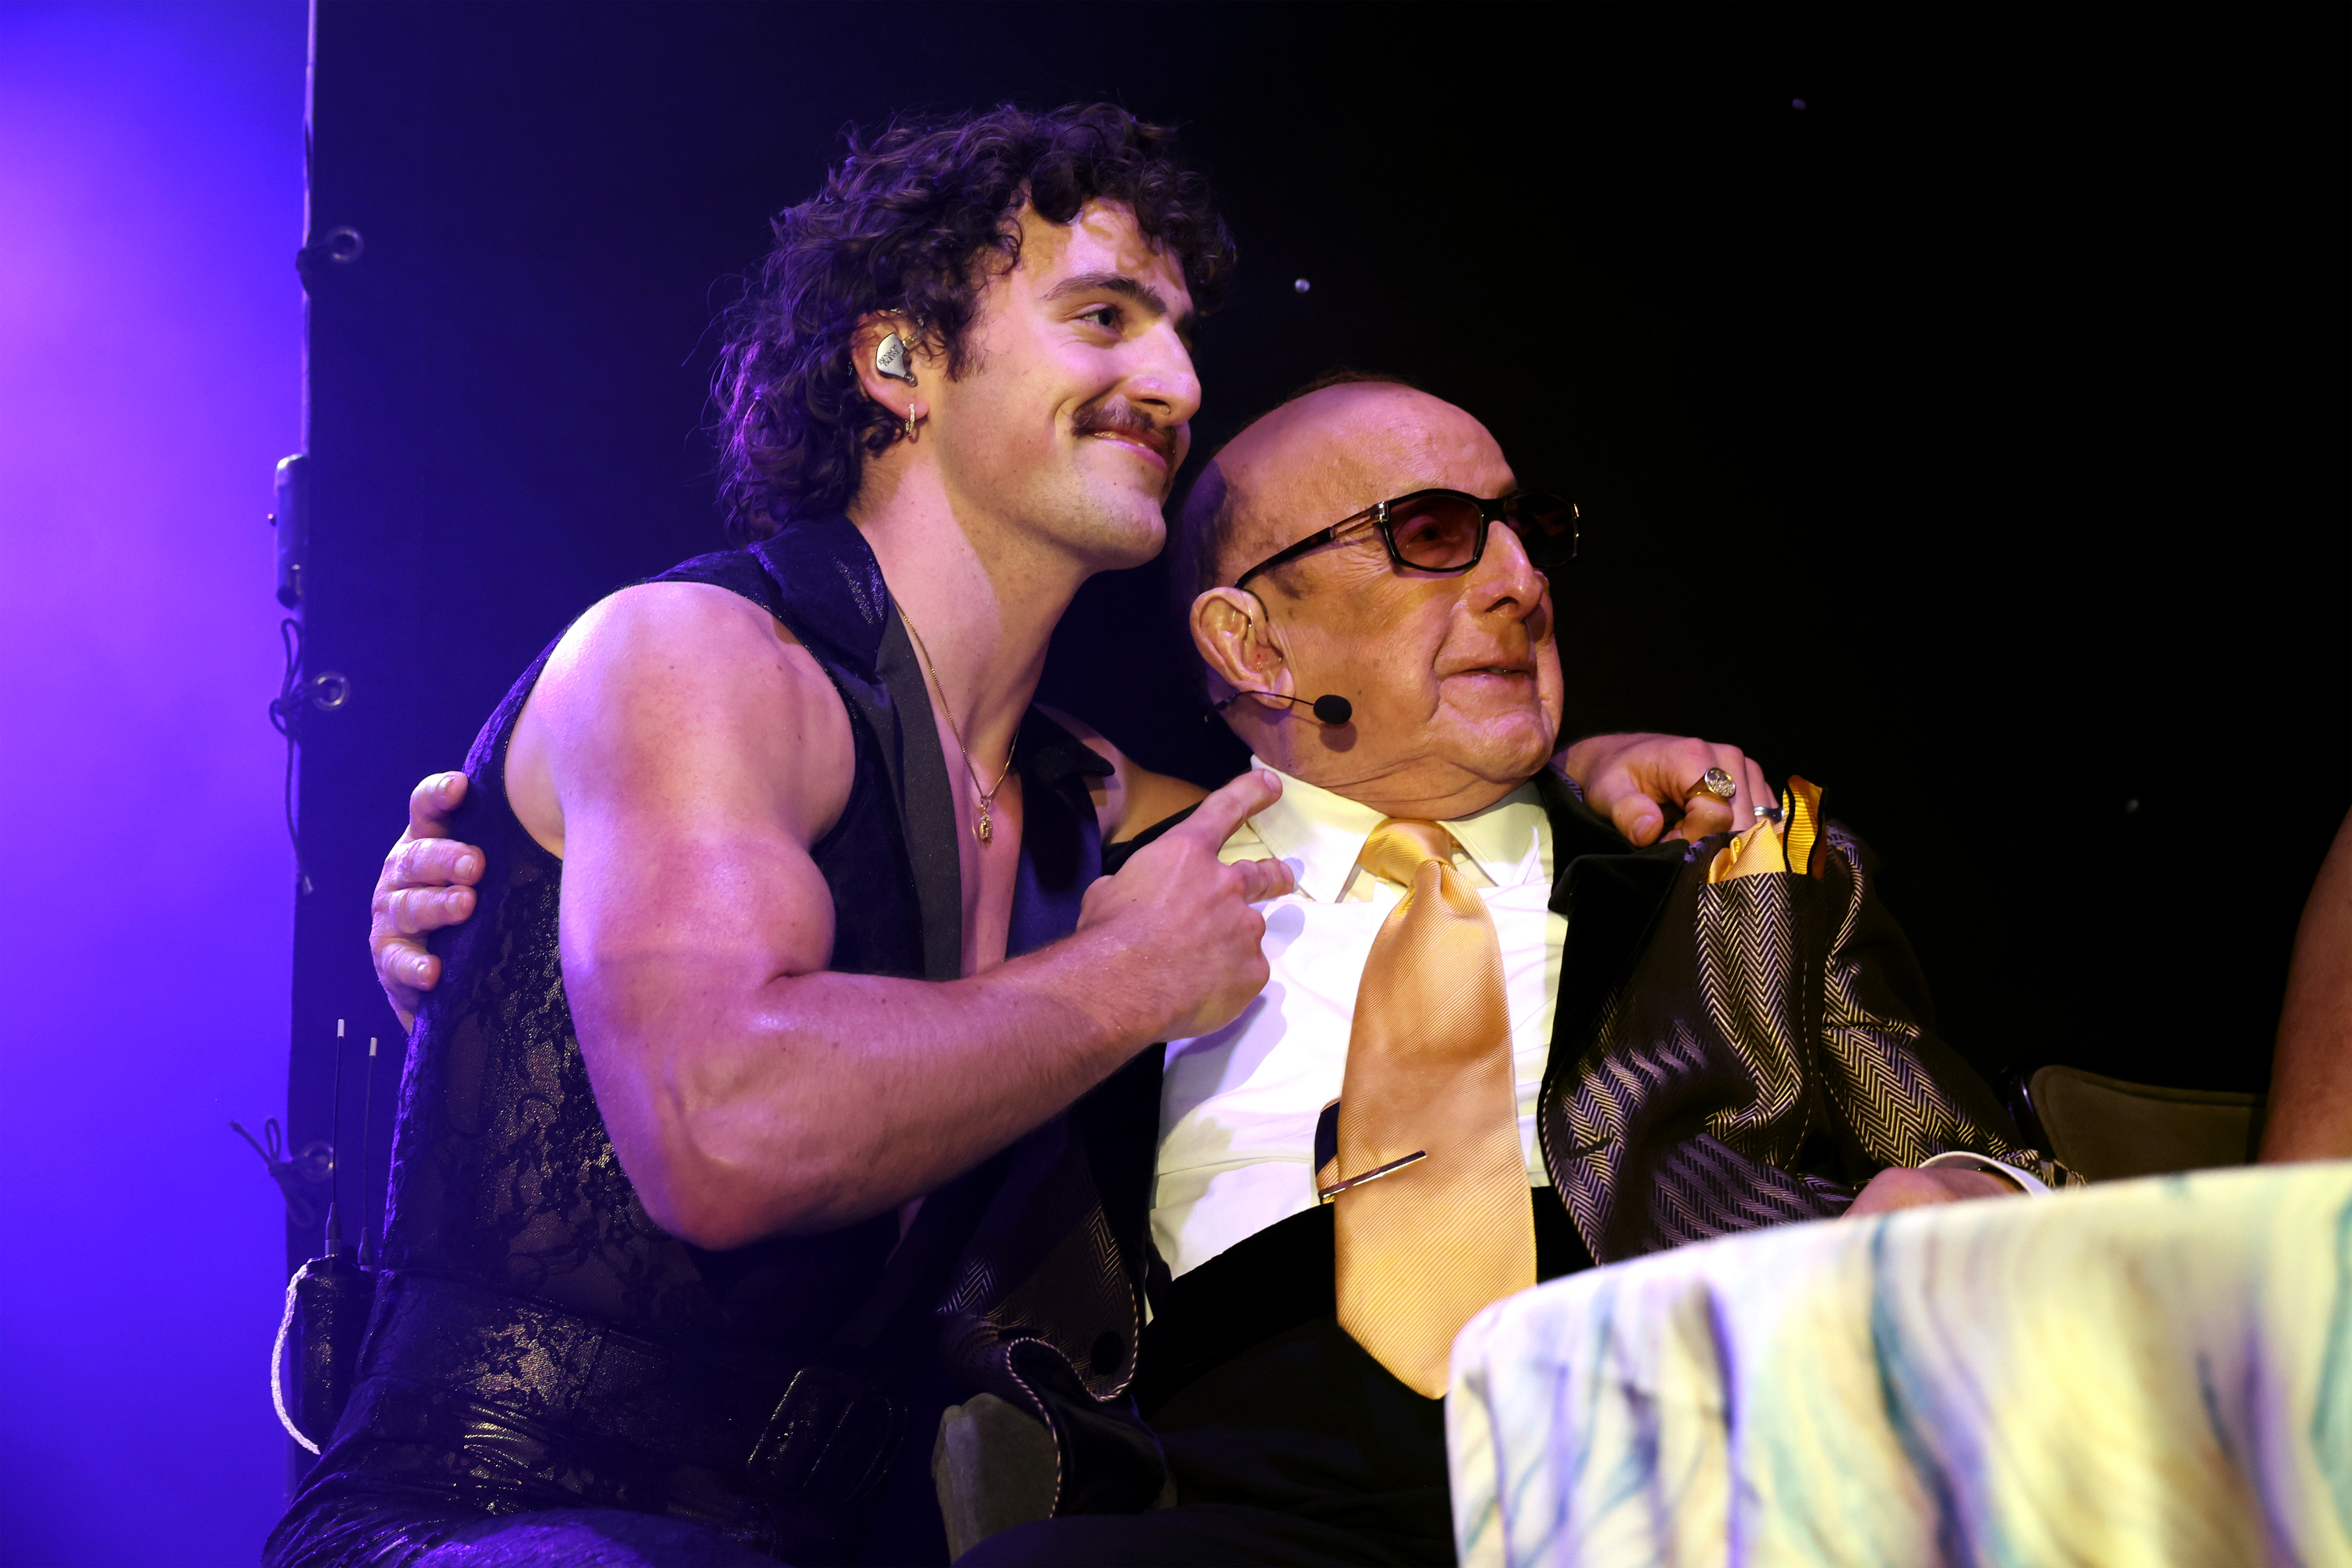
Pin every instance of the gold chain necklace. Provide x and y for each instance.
(985, 828)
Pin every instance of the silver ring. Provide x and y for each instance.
(1767, 814)
(1713, 782)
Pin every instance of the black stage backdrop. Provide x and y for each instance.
(1957, 399)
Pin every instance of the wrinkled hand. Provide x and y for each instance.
(1899, 1188)
(427, 883)
(1186, 942)
(1639, 781)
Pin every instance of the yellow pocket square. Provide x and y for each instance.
(1785, 844)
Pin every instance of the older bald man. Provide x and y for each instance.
(1514, 1045)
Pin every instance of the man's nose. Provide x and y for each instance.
(1163, 380)
(1505, 581)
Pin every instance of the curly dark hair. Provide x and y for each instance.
(910, 221)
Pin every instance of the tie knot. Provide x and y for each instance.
(1399, 846)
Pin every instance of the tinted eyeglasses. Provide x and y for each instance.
(1445, 530)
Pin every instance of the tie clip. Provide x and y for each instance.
(1374, 1175)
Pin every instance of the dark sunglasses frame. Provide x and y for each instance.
(1504, 510)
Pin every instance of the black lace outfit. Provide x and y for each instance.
(541, 1353)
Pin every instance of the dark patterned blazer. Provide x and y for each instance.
(1737, 1054)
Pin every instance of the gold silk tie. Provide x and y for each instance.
(1423, 1247)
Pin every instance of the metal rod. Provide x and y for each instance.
(1374, 1175)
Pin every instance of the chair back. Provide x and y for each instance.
(2108, 1129)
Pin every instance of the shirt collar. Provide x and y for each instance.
(1320, 834)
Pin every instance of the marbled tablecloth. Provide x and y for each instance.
(2155, 1372)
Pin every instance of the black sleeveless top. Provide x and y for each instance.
(503, 1174)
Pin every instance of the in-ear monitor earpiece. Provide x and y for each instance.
(890, 359)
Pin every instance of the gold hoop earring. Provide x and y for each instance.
(911, 426)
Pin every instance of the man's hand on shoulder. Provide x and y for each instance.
(1637, 781)
(427, 883)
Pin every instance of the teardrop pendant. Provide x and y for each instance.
(983, 829)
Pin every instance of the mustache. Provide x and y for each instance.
(1117, 417)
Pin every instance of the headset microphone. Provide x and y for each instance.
(1328, 709)
(1333, 710)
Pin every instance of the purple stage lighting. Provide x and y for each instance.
(150, 201)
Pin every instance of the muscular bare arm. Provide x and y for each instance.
(683, 754)
(2311, 1073)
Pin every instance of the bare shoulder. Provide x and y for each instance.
(1133, 797)
(681, 699)
(659, 633)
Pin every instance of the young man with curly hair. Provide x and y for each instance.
(777, 856)
(793, 1037)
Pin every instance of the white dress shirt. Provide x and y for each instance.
(1238, 1108)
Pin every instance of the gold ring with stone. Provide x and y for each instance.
(1713, 782)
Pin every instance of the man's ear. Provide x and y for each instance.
(915, 354)
(1235, 641)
